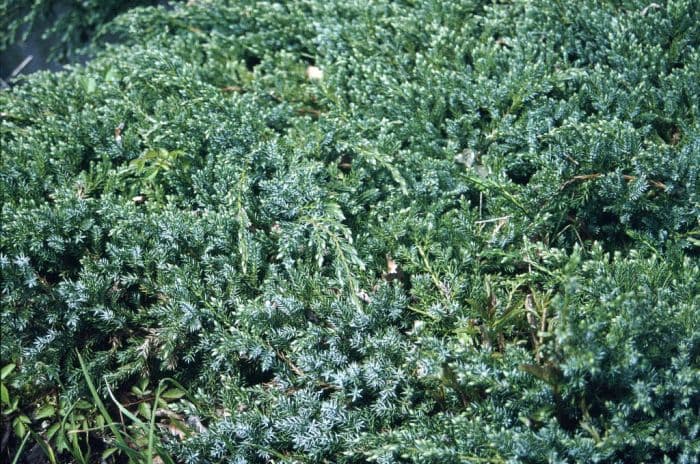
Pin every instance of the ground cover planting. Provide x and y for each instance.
(346, 231)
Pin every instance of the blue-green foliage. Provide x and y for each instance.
(475, 239)
(68, 24)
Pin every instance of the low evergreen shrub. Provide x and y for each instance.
(66, 25)
(390, 231)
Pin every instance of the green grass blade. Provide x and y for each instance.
(121, 443)
(45, 447)
(21, 448)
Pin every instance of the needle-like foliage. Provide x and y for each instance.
(388, 231)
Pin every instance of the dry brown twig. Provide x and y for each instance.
(585, 177)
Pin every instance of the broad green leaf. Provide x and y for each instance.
(4, 394)
(173, 394)
(51, 431)
(19, 428)
(83, 404)
(44, 412)
(145, 410)
(7, 370)
(108, 452)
